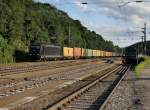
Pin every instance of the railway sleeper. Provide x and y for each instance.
(80, 108)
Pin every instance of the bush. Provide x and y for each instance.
(139, 68)
(6, 51)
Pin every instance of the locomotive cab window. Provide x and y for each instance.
(35, 49)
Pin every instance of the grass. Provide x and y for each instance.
(139, 68)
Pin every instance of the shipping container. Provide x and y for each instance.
(113, 54)
(77, 52)
(110, 54)
(101, 53)
(98, 53)
(90, 53)
(94, 53)
(84, 52)
(104, 53)
(107, 54)
(68, 52)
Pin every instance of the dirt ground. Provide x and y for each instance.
(141, 85)
(32, 94)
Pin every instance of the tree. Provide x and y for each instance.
(6, 51)
(25, 21)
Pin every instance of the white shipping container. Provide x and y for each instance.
(90, 53)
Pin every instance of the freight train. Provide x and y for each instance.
(51, 52)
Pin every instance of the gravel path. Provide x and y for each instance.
(133, 93)
(142, 91)
(122, 97)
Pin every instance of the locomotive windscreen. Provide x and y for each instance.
(130, 52)
(35, 49)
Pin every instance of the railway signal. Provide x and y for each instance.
(144, 38)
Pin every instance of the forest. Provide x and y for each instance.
(23, 22)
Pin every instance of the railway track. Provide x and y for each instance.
(9, 70)
(95, 95)
(106, 97)
(51, 98)
(69, 74)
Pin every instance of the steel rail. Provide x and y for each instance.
(47, 100)
(45, 80)
(68, 99)
(119, 80)
(32, 68)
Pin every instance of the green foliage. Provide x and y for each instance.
(142, 65)
(23, 22)
(6, 51)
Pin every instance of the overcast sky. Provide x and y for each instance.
(120, 25)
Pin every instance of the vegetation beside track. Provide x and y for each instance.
(139, 68)
(24, 22)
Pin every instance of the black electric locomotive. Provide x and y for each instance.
(45, 52)
(131, 55)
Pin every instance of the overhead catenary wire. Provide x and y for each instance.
(85, 2)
